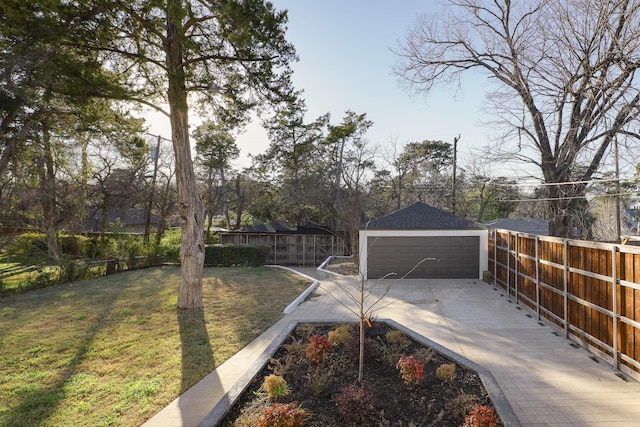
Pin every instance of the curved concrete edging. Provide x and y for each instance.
(304, 295)
(328, 273)
(498, 398)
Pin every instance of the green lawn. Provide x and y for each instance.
(115, 350)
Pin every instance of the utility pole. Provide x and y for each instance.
(453, 181)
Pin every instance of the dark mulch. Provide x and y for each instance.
(433, 402)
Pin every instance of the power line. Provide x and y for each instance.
(548, 199)
(158, 136)
(556, 184)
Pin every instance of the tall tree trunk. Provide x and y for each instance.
(210, 214)
(103, 221)
(560, 219)
(47, 189)
(224, 198)
(48, 199)
(210, 206)
(191, 208)
(338, 205)
(561, 208)
(78, 217)
(11, 144)
(241, 203)
(483, 203)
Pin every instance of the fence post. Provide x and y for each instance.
(537, 279)
(508, 264)
(516, 258)
(495, 257)
(614, 298)
(565, 263)
(112, 266)
(304, 251)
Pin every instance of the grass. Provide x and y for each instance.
(113, 351)
(20, 273)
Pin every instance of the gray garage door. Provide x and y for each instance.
(455, 256)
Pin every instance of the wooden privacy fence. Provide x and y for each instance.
(291, 249)
(590, 290)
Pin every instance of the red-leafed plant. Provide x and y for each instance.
(411, 369)
(355, 406)
(283, 415)
(318, 348)
(481, 416)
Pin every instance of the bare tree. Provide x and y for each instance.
(367, 298)
(530, 205)
(357, 167)
(489, 198)
(396, 161)
(564, 74)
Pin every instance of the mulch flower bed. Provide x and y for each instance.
(312, 381)
(344, 266)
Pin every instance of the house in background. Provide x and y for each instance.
(630, 234)
(268, 227)
(630, 219)
(127, 220)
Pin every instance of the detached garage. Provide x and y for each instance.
(433, 243)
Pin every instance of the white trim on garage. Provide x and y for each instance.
(482, 234)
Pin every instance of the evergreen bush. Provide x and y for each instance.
(235, 255)
(29, 244)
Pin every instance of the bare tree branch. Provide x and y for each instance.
(565, 73)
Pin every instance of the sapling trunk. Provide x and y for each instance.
(364, 313)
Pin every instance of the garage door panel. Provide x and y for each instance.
(455, 256)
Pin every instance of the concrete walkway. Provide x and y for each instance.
(546, 381)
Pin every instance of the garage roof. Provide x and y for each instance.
(420, 216)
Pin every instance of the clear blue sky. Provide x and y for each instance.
(345, 64)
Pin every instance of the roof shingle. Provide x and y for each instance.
(420, 216)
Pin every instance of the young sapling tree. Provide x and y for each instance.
(366, 303)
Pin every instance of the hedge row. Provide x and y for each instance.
(124, 247)
(127, 248)
(235, 255)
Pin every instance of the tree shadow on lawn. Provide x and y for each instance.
(197, 354)
(39, 401)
